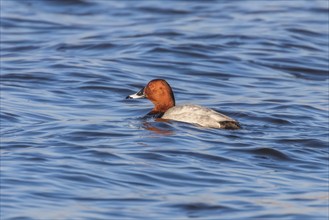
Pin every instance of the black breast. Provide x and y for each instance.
(153, 115)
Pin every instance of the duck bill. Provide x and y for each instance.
(138, 95)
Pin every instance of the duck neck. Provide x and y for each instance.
(162, 108)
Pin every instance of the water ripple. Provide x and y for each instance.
(72, 147)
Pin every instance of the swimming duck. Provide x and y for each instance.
(159, 92)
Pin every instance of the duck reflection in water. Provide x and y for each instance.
(158, 130)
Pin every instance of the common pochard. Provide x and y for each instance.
(159, 92)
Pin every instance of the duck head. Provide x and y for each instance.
(159, 92)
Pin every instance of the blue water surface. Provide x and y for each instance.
(72, 146)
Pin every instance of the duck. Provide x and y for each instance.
(160, 93)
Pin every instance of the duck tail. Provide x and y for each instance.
(231, 125)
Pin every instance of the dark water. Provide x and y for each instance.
(73, 148)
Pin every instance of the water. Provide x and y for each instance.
(72, 147)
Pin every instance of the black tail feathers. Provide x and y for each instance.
(231, 125)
